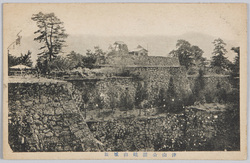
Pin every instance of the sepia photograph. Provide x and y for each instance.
(125, 81)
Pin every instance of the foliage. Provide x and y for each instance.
(24, 59)
(92, 59)
(188, 55)
(167, 101)
(89, 61)
(235, 68)
(140, 94)
(42, 65)
(173, 104)
(113, 100)
(236, 64)
(199, 87)
(171, 90)
(99, 55)
(160, 101)
(219, 62)
(98, 52)
(221, 93)
(75, 60)
(99, 101)
(51, 34)
(126, 102)
(60, 64)
(12, 60)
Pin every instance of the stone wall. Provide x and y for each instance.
(105, 90)
(48, 117)
(194, 130)
(159, 77)
(152, 79)
(45, 117)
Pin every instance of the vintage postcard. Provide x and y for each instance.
(125, 81)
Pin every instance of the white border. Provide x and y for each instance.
(110, 1)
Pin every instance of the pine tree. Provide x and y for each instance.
(51, 34)
(219, 62)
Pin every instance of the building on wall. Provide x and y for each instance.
(139, 51)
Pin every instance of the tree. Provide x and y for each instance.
(199, 87)
(75, 60)
(161, 100)
(60, 64)
(51, 34)
(236, 64)
(26, 59)
(42, 65)
(126, 101)
(187, 54)
(167, 99)
(140, 95)
(89, 61)
(99, 102)
(171, 90)
(171, 96)
(219, 62)
(235, 68)
(99, 55)
(12, 60)
(85, 99)
(221, 93)
(112, 99)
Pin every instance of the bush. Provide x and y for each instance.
(126, 102)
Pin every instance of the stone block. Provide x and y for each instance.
(59, 123)
(49, 134)
(59, 148)
(57, 128)
(56, 104)
(40, 106)
(46, 130)
(32, 149)
(65, 133)
(52, 123)
(30, 119)
(58, 111)
(37, 122)
(45, 119)
(36, 116)
(79, 134)
(67, 148)
(28, 103)
(49, 111)
(44, 100)
(74, 129)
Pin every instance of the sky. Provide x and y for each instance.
(124, 20)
